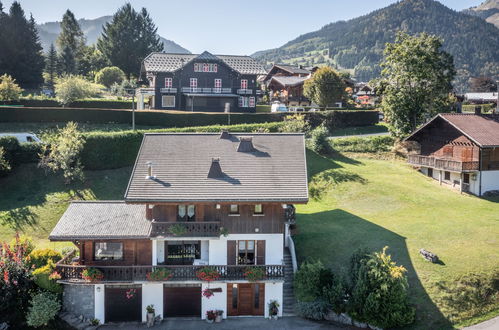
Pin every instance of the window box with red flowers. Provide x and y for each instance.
(208, 274)
(92, 275)
(159, 274)
(254, 274)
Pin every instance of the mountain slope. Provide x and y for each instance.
(92, 28)
(488, 10)
(357, 45)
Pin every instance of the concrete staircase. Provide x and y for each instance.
(288, 296)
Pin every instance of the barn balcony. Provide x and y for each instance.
(244, 91)
(186, 229)
(443, 164)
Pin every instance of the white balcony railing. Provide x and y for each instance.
(244, 91)
(168, 90)
(216, 90)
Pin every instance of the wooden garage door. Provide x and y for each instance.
(119, 307)
(182, 301)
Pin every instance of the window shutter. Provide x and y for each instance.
(231, 253)
(240, 101)
(260, 252)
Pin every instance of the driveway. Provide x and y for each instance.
(285, 323)
(492, 324)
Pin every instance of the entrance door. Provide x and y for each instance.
(123, 304)
(182, 301)
(245, 299)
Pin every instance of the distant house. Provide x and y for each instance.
(364, 94)
(204, 82)
(460, 150)
(285, 84)
(481, 98)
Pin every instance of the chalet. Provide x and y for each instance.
(204, 82)
(196, 204)
(285, 84)
(460, 150)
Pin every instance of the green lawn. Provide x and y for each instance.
(379, 128)
(374, 203)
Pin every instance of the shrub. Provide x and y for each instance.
(314, 310)
(336, 294)
(9, 90)
(40, 257)
(44, 308)
(44, 279)
(469, 295)
(372, 144)
(71, 88)
(109, 75)
(310, 280)
(319, 141)
(23, 242)
(4, 163)
(295, 124)
(379, 291)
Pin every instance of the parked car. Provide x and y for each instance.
(297, 109)
(23, 137)
(278, 107)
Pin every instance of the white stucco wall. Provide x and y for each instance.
(160, 251)
(474, 184)
(152, 294)
(273, 291)
(274, 247)
(490, 181)
(205, 255)
(217, 301)
(99, 302)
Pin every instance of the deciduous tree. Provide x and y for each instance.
(109, 76)
(9, 89)
(325, 87)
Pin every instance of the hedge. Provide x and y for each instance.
(19, 153)
(370, 144)
(90, 103)
(343, 118)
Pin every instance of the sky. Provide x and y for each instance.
(224, 26)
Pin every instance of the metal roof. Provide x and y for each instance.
(275, 172)
(289, 81)
(102, 220)
(167, 62)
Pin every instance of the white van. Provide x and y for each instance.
(23, 137)
(278, 107)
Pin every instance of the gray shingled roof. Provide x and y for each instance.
(276, 171)
(102, 220)
(165, 62)
(293, 69)
(289, 81)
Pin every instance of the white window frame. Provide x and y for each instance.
(168, 82)
(243, 102)
(163, 103)
(244, 83)
(251, 102)
(217, 85)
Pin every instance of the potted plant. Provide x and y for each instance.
(207, 293)
(159, 274)
(208, 274)
(219, 314)
(92, 275)
(224, 232)
(211, 316)
(254, 274)
(273, 309)
(177, 230)
(150, 315)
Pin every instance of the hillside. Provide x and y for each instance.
(92, 28)
(357, 44)
(488, 10)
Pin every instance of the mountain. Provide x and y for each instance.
(357, 45)
(488, 10)
(92, 28)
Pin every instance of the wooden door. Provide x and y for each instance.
(245, 299)
(182, 301)
(122, 307)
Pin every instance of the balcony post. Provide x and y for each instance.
(440, 177)
(461, 182)
(154, 252)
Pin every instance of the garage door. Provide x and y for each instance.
(123, 303)
(182, 301)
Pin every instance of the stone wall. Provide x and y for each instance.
(79, 300)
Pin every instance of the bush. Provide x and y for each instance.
(42, 277)
(109, 76)
(319, 141)
(379, 291)
(9, 90)
(44, 308)
(4, 163)
(40, 257)
(71, 88)
(469, 295)
(295, 124)
(310, 280)
(371, 144)
(16, 153)
(314, 310)
(25, 241)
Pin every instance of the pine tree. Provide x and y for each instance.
(68, 61)
(51, 66)
(128, 39)
(71, 35)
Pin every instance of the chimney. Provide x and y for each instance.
(246, 144)
(215, 171)
(478, 110)
(148, 212)
(224, 134)
(149, 171)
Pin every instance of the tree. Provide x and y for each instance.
(482, 85)
(4, 163)
(68, 61)
(109, 76)
(90, 62)
(51, 66)
(44, 308)
(9, 90)
(71, 88)
(128, 39)
(71, 41)
(64, 154)
(325, 87)
(416, 81)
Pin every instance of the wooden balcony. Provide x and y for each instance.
(443, 164)
(72, 273)
(186, 229)
(168, 90)
(244, 91)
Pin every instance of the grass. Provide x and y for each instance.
(379, 128)
(375, 203)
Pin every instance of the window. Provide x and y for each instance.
(234, 295)
(258, 209)
(466, 178)
(246, 253)
(447, 176)
(168, 82)
(212, 67)
(108, 251)
(206, 67)
(168, 101)
(196, 67)
(244, 83)
(256, 295)
(182, 253)
(234, 209)
(218, 85)
(194, 82)
(186, 213)
(251, 102)
(243, 102)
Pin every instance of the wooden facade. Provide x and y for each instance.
(135, 252)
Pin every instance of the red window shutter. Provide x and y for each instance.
(231, 253)
(260, 252)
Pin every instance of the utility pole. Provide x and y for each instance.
(131, 91)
